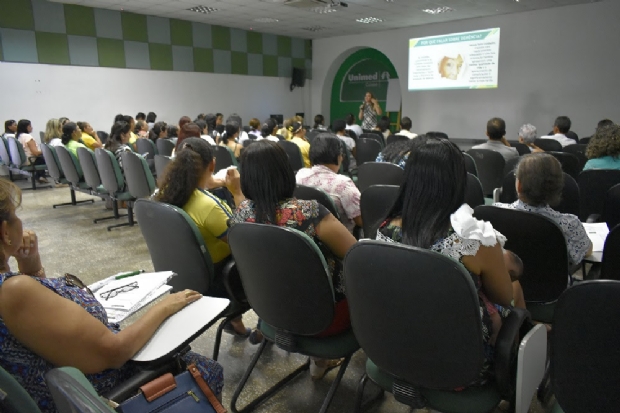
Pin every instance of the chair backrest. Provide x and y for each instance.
(86, 157)
(584, 141)
(570, 163)
(4, 152)
(72, 392)
(13, 397)
(352, 134)
(473, 192)
(224, 157)
(540, 243)
(317, 194)
(161, 162)
(510, 166)
(593, 187)
(373, 136)
(103, 136)
(579, 150)
(366, 150)
(386, 307)
(294, 154)
(470, 164)
(375, 203)
(109, 170)
(509, 192)
(140, 181)
(396, 138)
(612, 207)
(18, 157)
(146, 146)
(248, 142)
(303, 304)
(490, 166)
(522, 148)
(165, 147)
(548, 145)
(610, 268)
(51, 161)
(182, 248)
(569, 204)
(584, 349)
(70, 165)
(378, 173)
(311, 134)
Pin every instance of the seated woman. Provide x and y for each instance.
(173, 132)
(319, 123)
(398, 152)
(269, 130)
(527, 136)
(185, 185)
(89, 136)
(603, 151)
(383, 126)
(71, 135)
(264, 194)
(255, 128)
(132, 136)
(53, 133)
(298, 137)
(186, 130)
(204, 131)
(158, 131)
(10, 127)
(141, 129)
(31, 149)
(228, 139)
(118, 141)
(539, 185)
(430, 213)
(51, 322)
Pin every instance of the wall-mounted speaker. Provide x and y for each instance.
(299, 78)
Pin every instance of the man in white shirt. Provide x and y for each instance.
(351, 125)
(496, 129)
(405, 125)
(561, 126)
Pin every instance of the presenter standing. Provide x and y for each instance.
(369, 110)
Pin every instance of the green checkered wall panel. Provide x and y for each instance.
(40, 31)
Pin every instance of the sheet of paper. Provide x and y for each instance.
(597, 232)
(116, 315)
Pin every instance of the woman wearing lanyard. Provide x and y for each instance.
(186, 183)
(369, 110)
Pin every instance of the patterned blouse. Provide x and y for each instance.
(402, 162)
(29, 369)
(577, 239)
(303, 216)
(370, 117)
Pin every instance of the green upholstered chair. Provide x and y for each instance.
(140, 181)
(114, 182)
(13, 397)
(72, 392)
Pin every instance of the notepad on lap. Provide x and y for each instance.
(597, 232)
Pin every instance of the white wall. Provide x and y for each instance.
(94, 94)
(560, 61)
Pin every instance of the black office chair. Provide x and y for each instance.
(113, 181)
(248, 142)
(473, 192)
(317, 194)
(421, 359)
(103, 136)
(610, 267)
(540, 243)
(507, 192)
(165, 147)
(511, 166)
(548, 145)
(55, 171)
(183, 252)
(569, 204)
(579, 150)
(366, 150)
(490, 166)
(293, 310)
(352, 135)
(294, 154)
(224, 157)
(374, 136)
(375, 204)
(311, 134)
(396, 138)
(612, 207)
(73, 171)
(593, 187)
(522, 148)
(585, 141)
(584, 349)
(378, 173)
(570, 163)
(470, 164)
(161, 162)
(140, 181)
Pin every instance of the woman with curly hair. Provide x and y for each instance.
(603, 150)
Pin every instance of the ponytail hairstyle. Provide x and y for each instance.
(268, 127)
(115, 140)
(183, 174)
(295, 128)
(157, 129)
(211, 120)
(81, 125)
(67, 132)
(318, 121)
(232, 127)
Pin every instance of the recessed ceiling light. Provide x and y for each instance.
(369, 20)
(313, 28)
(266, 20)
(202, 9)
(438, 10)
(323, 10)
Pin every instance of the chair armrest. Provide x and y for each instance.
(593, 218)
(497, 192)
(514, 327)
(232, 283)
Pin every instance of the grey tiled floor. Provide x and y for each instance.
(70, 242)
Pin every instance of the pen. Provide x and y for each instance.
(128, 274)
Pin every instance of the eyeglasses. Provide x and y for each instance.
(73, 281)
(119, 290)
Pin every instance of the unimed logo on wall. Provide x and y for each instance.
(367, 75)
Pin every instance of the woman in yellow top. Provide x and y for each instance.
(71, 135)
(299, 138)
(89, 136)
(185, 185)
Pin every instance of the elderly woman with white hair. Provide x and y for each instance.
(527, 136)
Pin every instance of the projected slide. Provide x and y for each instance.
(454, 61)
